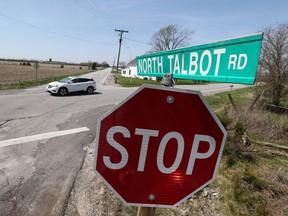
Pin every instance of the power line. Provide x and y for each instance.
(95, 10)
(137, 41)
(52, 32)
(102, 11)
(88, 8)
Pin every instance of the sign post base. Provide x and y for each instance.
(146, 211)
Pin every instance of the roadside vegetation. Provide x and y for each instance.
(253, 178)
(273, 63)
(134, 82)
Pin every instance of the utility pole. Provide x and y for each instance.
(120, 41)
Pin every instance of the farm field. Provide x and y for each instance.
(14, 72)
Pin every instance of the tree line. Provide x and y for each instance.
(93, 65)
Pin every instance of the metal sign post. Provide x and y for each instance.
(146, 211)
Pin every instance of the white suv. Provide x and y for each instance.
(72, 84)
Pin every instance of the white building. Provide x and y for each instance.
(131, 71)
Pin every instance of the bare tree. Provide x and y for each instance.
(274, 61)
(170, 37)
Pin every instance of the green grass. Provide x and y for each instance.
(240, 97)
(283, 102)
(189, 82)
(134, 82)
(252, 180)
(262, 138)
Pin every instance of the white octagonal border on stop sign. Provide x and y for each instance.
(98, 128)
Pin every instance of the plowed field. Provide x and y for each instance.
(13, 72)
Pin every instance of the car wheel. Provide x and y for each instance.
(63, 91)
(90, 89)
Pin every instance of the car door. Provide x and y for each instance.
(84, 84)
(74, 85)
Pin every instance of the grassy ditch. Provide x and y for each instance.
(253, 178)
(134, 82)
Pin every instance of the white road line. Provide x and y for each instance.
(32, 138)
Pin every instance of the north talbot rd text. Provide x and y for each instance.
(208, 62)
(232, 61)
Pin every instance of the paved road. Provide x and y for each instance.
(38, 165)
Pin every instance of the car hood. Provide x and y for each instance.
(54, 83)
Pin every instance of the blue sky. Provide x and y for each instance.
(84, 30)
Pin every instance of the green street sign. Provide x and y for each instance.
(229, 61)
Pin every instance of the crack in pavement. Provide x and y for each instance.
(9, 120)
(7, 180)
(4, 122)
(9, 197)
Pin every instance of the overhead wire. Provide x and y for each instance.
(107, 15)
(137, 41)
(52, 32)
(97, 7)
(95, 10)
(90, 7)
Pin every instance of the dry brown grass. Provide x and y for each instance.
(13, 72)
(264, 125)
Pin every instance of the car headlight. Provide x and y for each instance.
(52, 86)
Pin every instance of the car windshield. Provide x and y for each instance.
(66, 80)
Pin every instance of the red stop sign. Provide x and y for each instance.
(159, 146)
